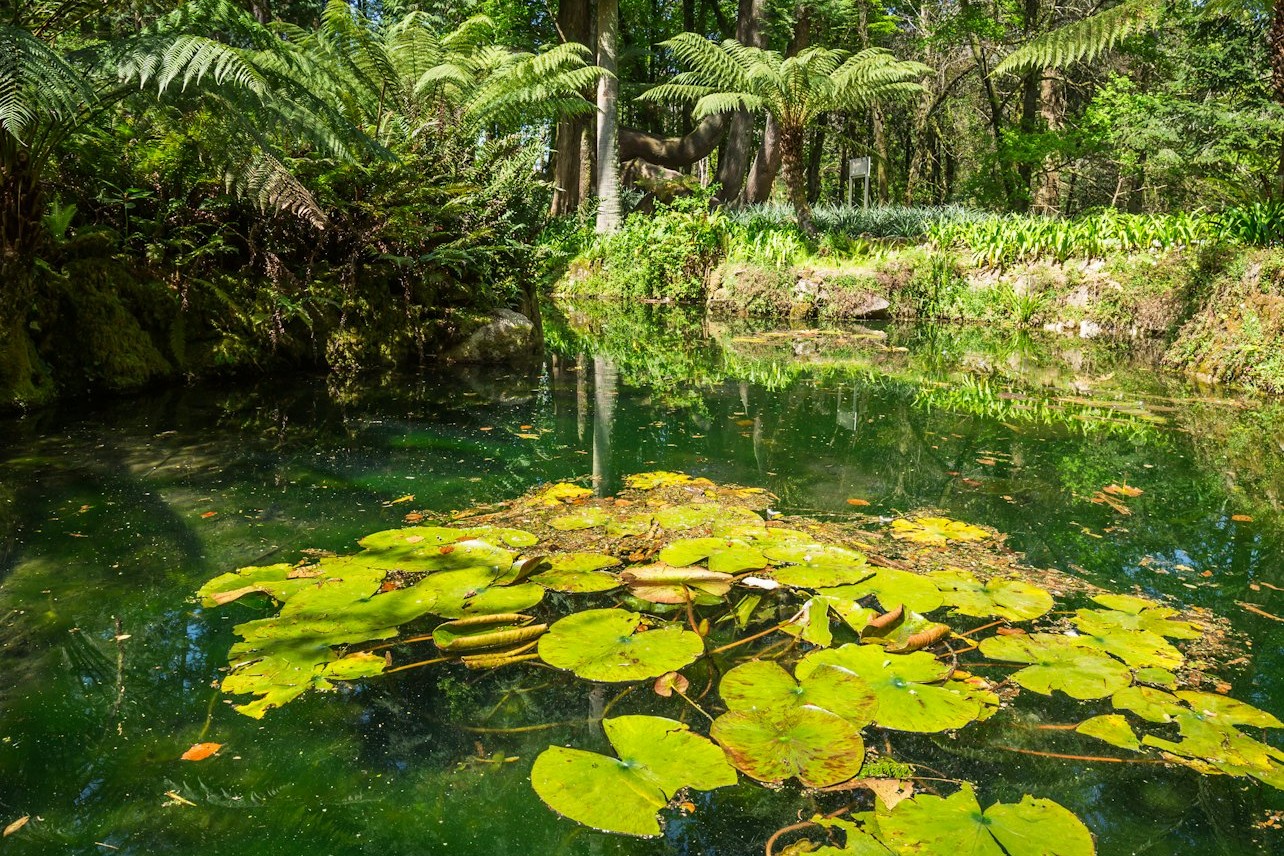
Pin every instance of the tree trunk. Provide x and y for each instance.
(673, 152)
(734, 159)
(573, 23)
(1047, 193)
(608, 96)
(814, 155)
(882, 155)
(1277, 80)
(792, 142)
(767, 162)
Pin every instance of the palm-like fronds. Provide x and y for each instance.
(1085, 39)
(37, 85)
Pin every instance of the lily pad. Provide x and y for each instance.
(398, 551)
(664, 584)
(1211, 737)
(1137, 648)
(903, 685)
(936, 530)
(611, 645)
(763, 685)
(1012, 599)
(682, 517)
(728, 556)
(814, 566)
(273, 580)
(818, 747)
(1157, 620)
(583, 518)
(857, 841)
(662, 478)
(657, 757)
(1124, 602)
(578, 573)
(956, 825)
(1059, 663)
(894, 588)
(279, 679)
(478, 591)
(1150, 704)
(1113, 729)
(559, 493)
(512, 537)
(633, 524)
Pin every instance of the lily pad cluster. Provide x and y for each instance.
(809, 639)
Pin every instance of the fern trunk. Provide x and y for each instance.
(792, 146)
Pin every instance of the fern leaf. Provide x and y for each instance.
(1085, 39)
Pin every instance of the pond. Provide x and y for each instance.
(112, 517)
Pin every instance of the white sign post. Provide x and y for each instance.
(858, 168)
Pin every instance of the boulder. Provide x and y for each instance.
(507, 337)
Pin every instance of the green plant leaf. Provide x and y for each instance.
(609, 645)
(763, 685)
(728, 556)
(936, 530)
(1113, 729)
(1012, 599)
(903, 685)
(583, 518)
(1059, 663)
(657, 757)
(818, 747)
(814, 566)
(894, 588)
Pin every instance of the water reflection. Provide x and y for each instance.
(108, 520)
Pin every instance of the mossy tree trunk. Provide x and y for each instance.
(793, 161)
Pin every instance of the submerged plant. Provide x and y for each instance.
(815, 638)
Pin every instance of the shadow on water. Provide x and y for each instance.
(110, 519)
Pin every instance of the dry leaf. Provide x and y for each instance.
(1241, 518)
(1123, 490)
(528, 436)
(410, 497)
(413, 517)
(670, 681)
(16, 825)
(207, 515)
(859, 503)
(526, 427)
(889, 791)
(986, 462)
(201, 751)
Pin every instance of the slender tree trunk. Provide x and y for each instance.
(882, 155)
(608, 95)
(734, 159)
(573, 23)
(792, 143)
(1047, 193)
(814, 153)
(1277, 80)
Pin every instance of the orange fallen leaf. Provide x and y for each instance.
(16, 825)
(207, 515)
(986, 462)
(1241, 518)
(486, 428)
(1123, 490)
(526, 427)
(201, 751)
(687, 807)
(859, 503)
(410, 497)
(670, 681)
(413, 517)
(1010, 631)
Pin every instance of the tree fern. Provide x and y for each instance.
(1085, 39)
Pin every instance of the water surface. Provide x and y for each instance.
(110, 517)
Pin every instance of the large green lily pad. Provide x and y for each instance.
(763, 685)
(1137, 648)
(478, 591)
(815, 566)
(1015, 600)
(657, 757)
(818, 747)
(615, 645)
(725, 555)
(578, 573)
(1112, 728)
(1157, 620)
(1059, 663)
(894, 588)
(957, 826)
(428, 549)
(904, 684)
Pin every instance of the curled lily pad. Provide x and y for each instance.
(664, 584)
(908, 700)
(486, 633)
(818, 747)
(894, 588)
(725, 555)
(583, 518)
(811, 624)
(1059, 663)
(1015, 600)
(764, 685)
(615, 645)
(1112, 728)
(908, 632)
(957, 825)
(657, 757)
(936, 530)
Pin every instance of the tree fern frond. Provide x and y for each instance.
(722, 66)
(268, 183)
(1085, 39)
(726, 102)
(36, 83)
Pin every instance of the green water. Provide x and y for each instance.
(110, 517)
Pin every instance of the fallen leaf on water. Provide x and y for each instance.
(16, 825)
(1241, 518)
(744, 423)
(670, 681)
(486, 428)
(687, 807)
(986, 462)
(528, 436)
(410, 497)
(859, 503)
(1010, 631)
(526, 427)
(1257, 610)
(175, 798)
(413, 517)
(201, 751)
(207, 515)
(1123, 490)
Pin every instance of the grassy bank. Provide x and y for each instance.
(1210, 287)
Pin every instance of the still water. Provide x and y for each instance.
(111, 517)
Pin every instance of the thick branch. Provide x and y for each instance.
(673, 152)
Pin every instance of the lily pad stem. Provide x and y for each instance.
(619, 697)
(983, 627)
(1084, 757)
(759, 635)
(416, 665)
(689, 701)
